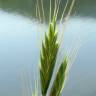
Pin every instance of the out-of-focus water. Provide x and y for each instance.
(20, 39)
(19, 49)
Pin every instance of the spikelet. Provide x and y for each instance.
(57, 87)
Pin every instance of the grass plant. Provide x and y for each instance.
(50, 49)
(48, 55)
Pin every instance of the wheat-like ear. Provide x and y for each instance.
(48, 57)
(57, 87)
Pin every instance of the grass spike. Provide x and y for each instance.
(48, 57)
(58, 83)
